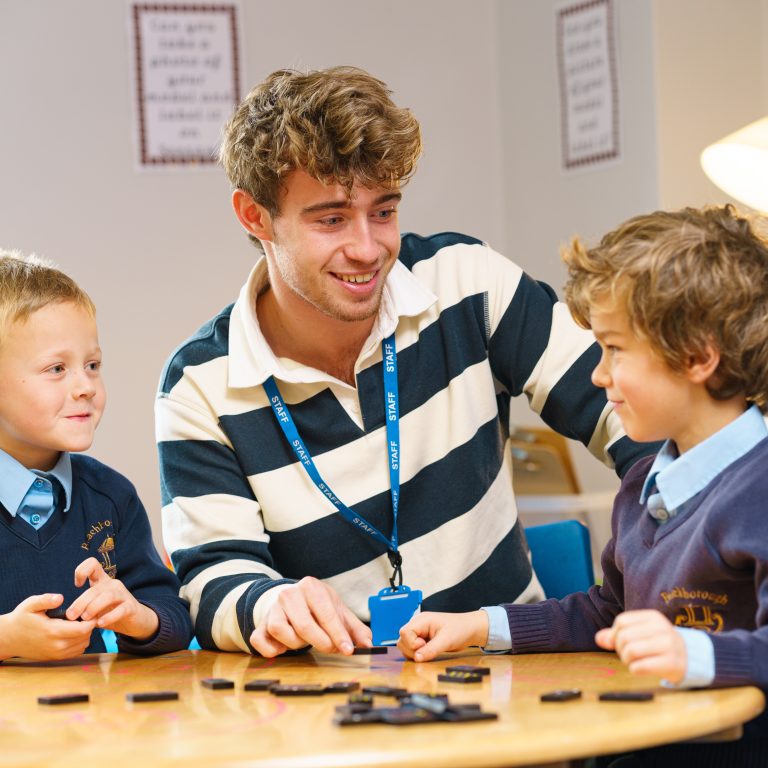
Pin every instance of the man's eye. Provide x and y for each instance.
(330, 221)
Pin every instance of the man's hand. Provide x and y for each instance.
(27, 631)
(428, 634)
(647, 643)
(309, 613)
(109, 604)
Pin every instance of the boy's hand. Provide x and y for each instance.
(27, 631)
(647, 643)
(429, 634)
(309, 613)
(109, 604)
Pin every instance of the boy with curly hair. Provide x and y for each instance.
(679, 305)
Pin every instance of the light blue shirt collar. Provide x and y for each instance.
(17, 480)
(679, 478)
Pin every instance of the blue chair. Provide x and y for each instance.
(561, 557)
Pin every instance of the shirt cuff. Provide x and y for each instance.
(701, 660)
(499, 634)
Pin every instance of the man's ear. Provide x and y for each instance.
(704, 365)
(252, 215)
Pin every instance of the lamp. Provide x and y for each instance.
(738, 164)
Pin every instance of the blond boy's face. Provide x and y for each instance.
(51, 391)
(652, 401)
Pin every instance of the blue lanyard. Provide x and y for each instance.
(392, 421)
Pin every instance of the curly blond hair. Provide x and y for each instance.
(339, 125)
(687, 279)
(29, 283)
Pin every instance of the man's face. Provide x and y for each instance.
(51, 391)
(332, 251)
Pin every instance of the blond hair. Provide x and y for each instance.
(29, 283)
(339, 125)
(687, 279)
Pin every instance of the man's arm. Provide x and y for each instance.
(536, 348)
(212, 526)
(214, 530)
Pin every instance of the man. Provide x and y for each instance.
(358, 375)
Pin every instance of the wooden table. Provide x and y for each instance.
(237, 728)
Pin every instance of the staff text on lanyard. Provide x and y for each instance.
(392, 422)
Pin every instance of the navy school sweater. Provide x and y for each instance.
(106, 520)
(707, 568)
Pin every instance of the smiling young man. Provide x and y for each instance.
(328, 255)
(343, 425)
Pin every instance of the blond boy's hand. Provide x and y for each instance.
(27, 631)
(109, 604)
(429, 634)
(647, 643)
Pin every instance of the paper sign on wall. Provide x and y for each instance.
(186, 80)
(589, 98)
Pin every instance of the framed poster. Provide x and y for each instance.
(186, 78)
(589, 93)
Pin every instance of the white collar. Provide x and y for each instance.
(251, 359)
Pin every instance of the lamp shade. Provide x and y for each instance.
(738, 164)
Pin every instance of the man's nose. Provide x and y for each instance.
(362, 246)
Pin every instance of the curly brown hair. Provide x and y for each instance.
(687, 279)
(339, 125)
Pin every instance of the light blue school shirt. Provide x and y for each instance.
(672, 481)
(30, 493)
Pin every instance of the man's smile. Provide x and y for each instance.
(366, 277)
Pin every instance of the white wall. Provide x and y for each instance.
(545, 207)
(690, 72)
(763, 27)
(712, 79)
(161, 253)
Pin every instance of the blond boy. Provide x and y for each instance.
(75, 541)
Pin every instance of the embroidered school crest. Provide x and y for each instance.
(107, 546)
(102, 538)
(701, 614)
(699, 617)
